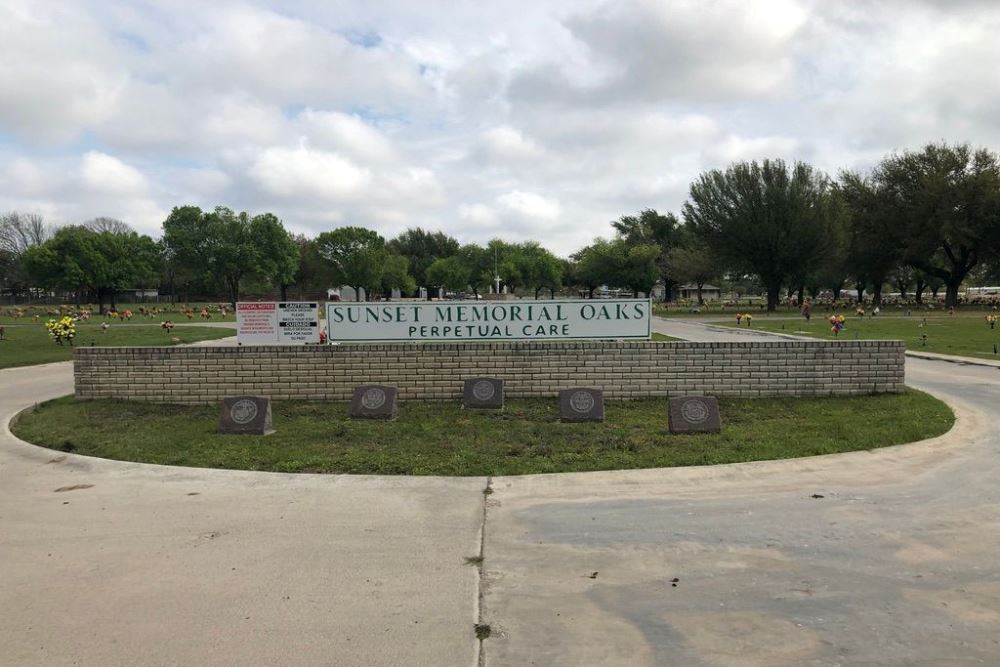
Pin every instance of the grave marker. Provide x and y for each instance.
(581, 405)
(483, 393)
(695, 414)
(246, 415)
(373, 401)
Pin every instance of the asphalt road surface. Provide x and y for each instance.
(886, 558)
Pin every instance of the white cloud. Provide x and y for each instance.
(530, 205)
(101, 172)
(302, 171)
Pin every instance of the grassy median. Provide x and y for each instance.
(440, 438)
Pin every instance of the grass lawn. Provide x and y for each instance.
(967, 335)
(168, 311)
(440, 438)
(30, 344)
(659, 336)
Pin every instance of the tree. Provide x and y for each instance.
(112, 225)
(596, 265)
(947, 201)
(873, 248)
(652, 228)
(692, 264)
(277, 252)
(639, 271)
(356, 256)
(618, 264)
(449, 272)
(228, 247)
(480, 263)
(396, 275)
(77, 258)
(312, 271)
(18, 232)
(538, 267)
(421, 248)
(764, 218)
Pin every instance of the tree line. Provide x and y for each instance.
(919, 220)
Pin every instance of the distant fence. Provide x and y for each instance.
(625, 370)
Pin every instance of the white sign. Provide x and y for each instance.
(488, 320)
(271, 323)
(298, 323)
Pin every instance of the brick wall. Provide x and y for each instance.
(435, 371)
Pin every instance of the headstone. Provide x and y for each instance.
(246, 415)
(373, 401)
(483, 393)
(695, 414)
(581, 405)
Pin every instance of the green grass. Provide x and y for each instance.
(30, 344)
(168, 311)
(659, 336)
(439, 438)
(966, 335)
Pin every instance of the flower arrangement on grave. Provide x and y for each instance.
(860, 312)
(63, 329)
(837, 323)
(992, 321)
(104, 327)
(749, 318)
(739, 319)
(167, 325)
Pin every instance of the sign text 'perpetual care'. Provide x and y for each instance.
(496, 320)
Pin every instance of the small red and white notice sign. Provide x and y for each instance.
(257, 323)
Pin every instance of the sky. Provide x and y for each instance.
(520, 119)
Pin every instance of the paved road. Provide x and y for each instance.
(897, 564)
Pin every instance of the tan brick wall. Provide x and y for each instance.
(635, 369)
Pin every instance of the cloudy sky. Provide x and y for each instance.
(522, 118)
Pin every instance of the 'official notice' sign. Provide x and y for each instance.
(491, 320)
(273, 323)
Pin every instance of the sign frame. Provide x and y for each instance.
(332, 338)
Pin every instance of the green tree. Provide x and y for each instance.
(278, 254)
(539, 268)
(233, 252)
(652, 228)
(396, 275)
(480, 263)
(873, 249)
(639, 270)
(452, 273)
(356, 257)
(692, 264)
(421, 248)
(945, 202)
(766, 219)
(228, 247)
(596, 265)
(78, 259)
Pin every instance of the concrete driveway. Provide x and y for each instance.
(898, 563)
